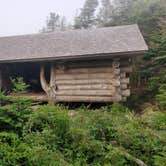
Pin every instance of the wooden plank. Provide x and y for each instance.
(86, 70)
(97, 63)
(113, 82)
(124, 80)
(84, 76)
(86, 87)
(85, 92)
(126, 69)
(42, 97)
(123, 86)
(83, 99)
(122, 75)
(126, 93)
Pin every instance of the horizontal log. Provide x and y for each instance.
(117, 97)
(86, 87)
(124, 99)
(85, 92)
(108, 62)
(126, 93)
(122, 75)
(80, 76)
(42, 97)
(113, 82)
(123, 86)
(126, 69)
(85, 70)
(84, 99)
(124, 80)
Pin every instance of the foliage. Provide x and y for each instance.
(19, 86)
(54, 22)
(14, 115)
(86, 17)
(112, 135)
(156, 74)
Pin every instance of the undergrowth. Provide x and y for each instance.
(56, 136)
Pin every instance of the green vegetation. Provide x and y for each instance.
(54, 135)
(19, 86)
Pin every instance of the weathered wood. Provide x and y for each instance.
(123, 86)
(122, 75)
(81, 76)
(83, 99)
(125, 81)
(93, 81)
(43, 81)
(48, 88)
(42, 97)
(117, 94)
(85, 92)
(97, 63)
(126, 69)
(86, 87)
(52, 74)
(113, 82)
(126, 93)
(86, 70)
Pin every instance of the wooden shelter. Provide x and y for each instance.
(75, 65)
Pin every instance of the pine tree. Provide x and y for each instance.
(86, 18)
(54, 22)
(105, 14)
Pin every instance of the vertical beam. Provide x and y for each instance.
(116, 66)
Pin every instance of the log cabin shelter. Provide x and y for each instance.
(73, 66)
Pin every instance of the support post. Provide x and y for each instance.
(116, 67)
(49, 88)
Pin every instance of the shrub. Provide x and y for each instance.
(19, 86)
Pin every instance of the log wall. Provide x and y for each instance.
(97, 81)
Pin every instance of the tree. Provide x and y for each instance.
(104, 17)
(86, 17)
(54, 22)
(156, 58)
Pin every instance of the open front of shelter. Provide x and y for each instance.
(73, 66)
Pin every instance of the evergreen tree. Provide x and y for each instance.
(156, 65)
(105, 14)
(86, 18)
(54, 22)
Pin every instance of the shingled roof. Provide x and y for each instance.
(111, 41)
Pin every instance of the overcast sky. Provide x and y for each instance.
(28, 16)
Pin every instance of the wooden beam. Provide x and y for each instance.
(85, 92)
(83, 99)
(85, 70)
(86, 87)
(81, 76)
(113, 82)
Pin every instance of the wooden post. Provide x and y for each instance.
(116, 67)
(49, 88)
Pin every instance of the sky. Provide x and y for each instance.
(19, 17)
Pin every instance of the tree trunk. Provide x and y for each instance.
(49, 88)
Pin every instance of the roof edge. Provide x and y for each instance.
(130, 54)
